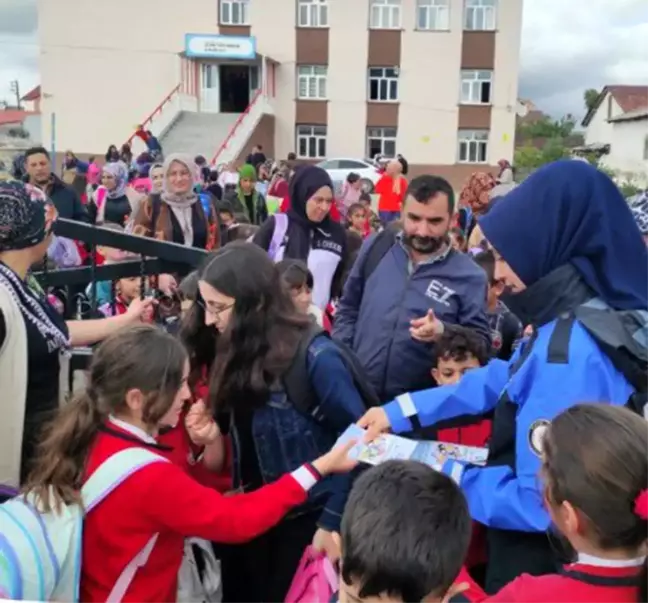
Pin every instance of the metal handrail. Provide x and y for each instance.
(155, 111)
(237, 123)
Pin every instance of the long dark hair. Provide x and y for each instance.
(264, 330)
(594, 457)
(140, 357)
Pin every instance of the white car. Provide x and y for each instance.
(339, 168)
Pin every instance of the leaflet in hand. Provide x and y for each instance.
(389, 447)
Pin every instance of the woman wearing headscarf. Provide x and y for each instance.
(110, 202)
(33, 336)
(176, 213)
(474, 201)
(574, 267)
(309, 234)
(156, 174)
(112, 154)
(245, 198)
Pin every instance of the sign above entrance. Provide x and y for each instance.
(204, 46)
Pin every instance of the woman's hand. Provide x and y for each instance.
(336, 460)
(167, 284)
(324, 542)
(140, 310)
(201, 427)
(375, 421)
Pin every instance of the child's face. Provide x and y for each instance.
(171, 418)
(357, 185)
(129, 288)
(226, 218)
(494, 292)
(358, 219)
(449, 370)
(246, 185)
(303, 298)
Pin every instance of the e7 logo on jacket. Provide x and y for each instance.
(439, 292)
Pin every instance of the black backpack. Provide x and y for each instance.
(297, 383)
(383, 242)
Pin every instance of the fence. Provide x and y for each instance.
(154, 258)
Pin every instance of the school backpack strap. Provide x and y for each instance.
(383, 242)
(297, 381)
(278, 234)
(40, 552)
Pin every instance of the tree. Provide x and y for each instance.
(590, 96)
(545, 127)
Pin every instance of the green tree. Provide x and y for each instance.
(590, 97)
(545, 127)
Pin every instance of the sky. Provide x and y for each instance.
(567, 47)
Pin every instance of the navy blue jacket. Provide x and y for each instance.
(373, 318)
(285, 438)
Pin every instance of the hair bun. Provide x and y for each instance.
(641, 505)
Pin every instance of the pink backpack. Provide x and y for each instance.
(315, 580)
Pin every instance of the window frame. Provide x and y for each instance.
(480, 138)
(321, 80)
(244, 8)
(388, 88)
(475, 83)
(428, 7)
(317, 137)
(480, 10)
(379, 133)
(385, 10)
(318, 8)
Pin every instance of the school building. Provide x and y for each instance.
(435, 80)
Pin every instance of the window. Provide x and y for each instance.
(385, 14)
(480, 15)
(383, 84)
(332, 164)
(311, 142)
(381, 141)
(473, 146)
(313, 13)
(476, 87)
(433, 14)
(349, 164)
(311, 82)
(234, 12)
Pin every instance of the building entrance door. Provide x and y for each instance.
(209, 88)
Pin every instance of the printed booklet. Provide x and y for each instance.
(388, 447)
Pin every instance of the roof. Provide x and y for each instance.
(629, 99)
(13, 116)
(32, 95)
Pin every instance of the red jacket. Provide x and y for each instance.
(162, 499)
(577, 583)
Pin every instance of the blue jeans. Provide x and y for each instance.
(388, 216)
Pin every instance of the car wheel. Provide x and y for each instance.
(367, 185)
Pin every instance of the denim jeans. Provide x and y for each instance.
(388, 216)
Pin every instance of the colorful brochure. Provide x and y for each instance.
(388, 447)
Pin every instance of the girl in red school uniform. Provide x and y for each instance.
(595, 471)
(138, 383)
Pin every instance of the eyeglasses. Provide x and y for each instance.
(211, 311)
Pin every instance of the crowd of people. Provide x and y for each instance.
(513, 318)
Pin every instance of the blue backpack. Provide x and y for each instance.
(40, 553)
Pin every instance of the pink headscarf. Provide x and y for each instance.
(94, 174)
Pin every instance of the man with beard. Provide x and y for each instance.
(39, 174)
(406, 288)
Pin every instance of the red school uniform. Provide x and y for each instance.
(579, 582)
(162, 499)
(389, 200)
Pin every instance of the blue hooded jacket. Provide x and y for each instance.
(373, 317)
(570, 237)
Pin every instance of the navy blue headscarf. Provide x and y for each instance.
(569, 211)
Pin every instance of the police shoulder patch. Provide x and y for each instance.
(536, 435)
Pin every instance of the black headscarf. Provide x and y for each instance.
(308, 179)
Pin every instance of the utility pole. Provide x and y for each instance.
(15, 88)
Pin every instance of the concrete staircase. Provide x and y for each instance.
(197, 133)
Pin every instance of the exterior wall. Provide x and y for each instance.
(100, 86)
(627, 147)
(347, 79)
(599, 131)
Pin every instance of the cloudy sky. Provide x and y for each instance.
(567, 46)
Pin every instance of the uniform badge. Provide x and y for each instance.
(536, 435)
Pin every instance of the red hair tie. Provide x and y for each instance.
(641, 505)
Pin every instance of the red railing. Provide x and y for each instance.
(237, 123)
(156, 111)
